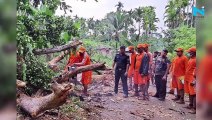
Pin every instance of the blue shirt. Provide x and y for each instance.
(121, 61)
(161, 65)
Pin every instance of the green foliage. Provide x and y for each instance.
(183, 37)
(71, 107)
(93, 45)
(38, 27)
(107, 59)
(38, 75)
(177, 12)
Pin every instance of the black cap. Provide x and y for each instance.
(122, 47)
(166, 51)
(156, 52)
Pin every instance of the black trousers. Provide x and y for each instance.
(160, 86)
(121, 74)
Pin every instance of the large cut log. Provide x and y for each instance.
(57, 48)
(20, 84)
(36, 105)
(53, 63)
(67, 74)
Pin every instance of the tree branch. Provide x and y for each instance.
(57, 48)
(65, 75)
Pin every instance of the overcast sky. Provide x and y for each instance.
(99, 9)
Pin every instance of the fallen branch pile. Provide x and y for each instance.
(60, 90)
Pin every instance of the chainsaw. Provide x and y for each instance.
(74, 78)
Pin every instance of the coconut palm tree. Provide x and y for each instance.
(138, 18)
(119, 6)
(170, 14)
(149, 19)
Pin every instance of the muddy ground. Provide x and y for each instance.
(103, 105)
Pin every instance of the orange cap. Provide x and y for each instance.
(146, 45)
(179, 49)
(192, 49)
(140, 46)
(131, 47)
(82, 49)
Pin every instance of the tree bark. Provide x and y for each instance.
(139, 31)
(53, 63)
(67, 74)
(20, 84)
(36, 105)
(57, 48)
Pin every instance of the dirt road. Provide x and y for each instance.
(110, 107)
(103, 105)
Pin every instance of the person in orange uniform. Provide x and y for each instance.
(132, 65)
(189, 85)
(171, 91)
(137, 76)
(179, 69)
(150, 58)
(74, 58)
(205, 81)
(138, 80)
(144, 72)
(84, 59)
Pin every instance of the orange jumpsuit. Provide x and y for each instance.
(132, 65)
(86, 76)
(171, 72)
(74, 58)
(189, 76)
(205, 79)
(137, 75)
(179, 69)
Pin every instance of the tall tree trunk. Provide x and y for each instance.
(192, 17)
(139, 31)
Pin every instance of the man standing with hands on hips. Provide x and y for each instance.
(121, 65)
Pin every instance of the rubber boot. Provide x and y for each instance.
(181, 97)
(190, 106)
(136, 90)
(177, 96)
(171, 91)
(193, 110)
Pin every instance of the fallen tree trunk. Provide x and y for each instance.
(20, 84)
(36, 105)
(57, 48)
(53, 63)
(64, 76)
